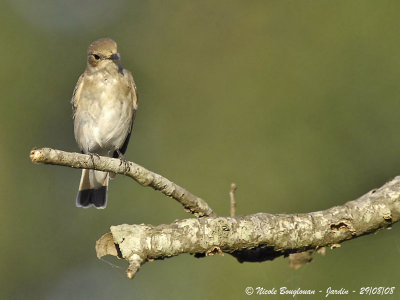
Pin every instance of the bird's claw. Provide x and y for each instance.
(92, 155)
(123, 161)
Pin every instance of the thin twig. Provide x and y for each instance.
(233, 201)
(190, 202)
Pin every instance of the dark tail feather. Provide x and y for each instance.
(93, 189)
(97, 197)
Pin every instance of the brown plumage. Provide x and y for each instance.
(104, 103)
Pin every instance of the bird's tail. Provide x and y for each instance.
(93, 189)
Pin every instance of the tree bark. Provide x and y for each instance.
(144, 177)
(256, 237)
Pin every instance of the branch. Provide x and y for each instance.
(255, 237)
(266, 236)
(144, 177)
(232, 197)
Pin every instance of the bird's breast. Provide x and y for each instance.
(104, 115)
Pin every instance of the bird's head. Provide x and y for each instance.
(103, 53)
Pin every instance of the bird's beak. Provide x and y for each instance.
(114, 56)
(116, 59)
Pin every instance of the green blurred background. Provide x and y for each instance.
(296, 101)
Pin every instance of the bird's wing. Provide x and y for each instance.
(76, 95)
(132, 86)
(134, 95)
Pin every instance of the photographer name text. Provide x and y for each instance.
(327, 292)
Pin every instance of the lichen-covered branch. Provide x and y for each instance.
(190, 202)
(255, 237)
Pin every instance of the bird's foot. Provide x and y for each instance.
(92, 157)
(123, 161)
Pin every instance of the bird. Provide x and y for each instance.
(104, 104)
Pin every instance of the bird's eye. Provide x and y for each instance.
(96, 57)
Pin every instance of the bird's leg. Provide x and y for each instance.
(91, 156)
(123, 161)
